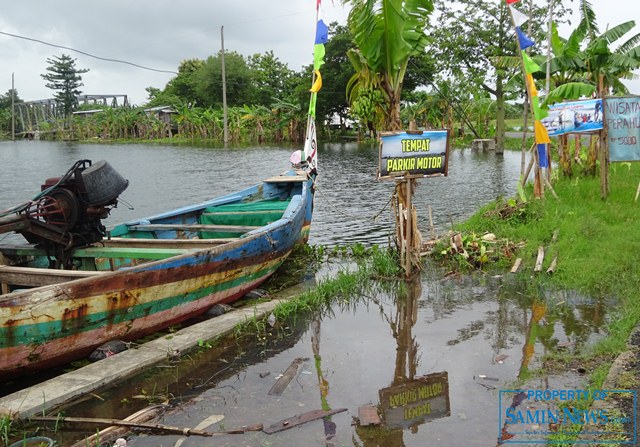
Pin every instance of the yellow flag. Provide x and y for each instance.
(532, 85)
(541, 134)
(317, 85)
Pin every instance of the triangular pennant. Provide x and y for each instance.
(531, 85)
(529, 65)
(525, 41)
(318, 56)
(543, 160)
(312, 105)
(322, 32)
(512, 1)
(541, 134)
(317, 85)
(519, 18)
(538, 113)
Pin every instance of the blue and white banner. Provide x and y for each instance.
(574, 116)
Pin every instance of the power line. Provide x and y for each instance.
(87, 54)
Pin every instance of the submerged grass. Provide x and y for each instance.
(598, 253)
(344, 287)
(597, 247)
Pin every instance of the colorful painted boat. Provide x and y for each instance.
(75, 286)
(147, 275)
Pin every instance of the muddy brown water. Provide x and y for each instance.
(431, 355)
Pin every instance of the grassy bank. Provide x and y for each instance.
(597, 248)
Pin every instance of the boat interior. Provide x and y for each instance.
(189, 229)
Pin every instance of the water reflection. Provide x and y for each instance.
(323, 384)
(409, 401)
(457, 339)
(485, 333)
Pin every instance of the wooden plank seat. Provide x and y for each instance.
(168, 243)
(35, 277)
(101, 252)
(193, 227)
(129, 252)
(300, 176)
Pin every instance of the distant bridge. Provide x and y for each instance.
(31, 114)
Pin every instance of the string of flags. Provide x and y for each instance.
(529, 66)
(322, 36)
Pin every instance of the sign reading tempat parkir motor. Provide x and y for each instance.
(413, 153)
(565, 416)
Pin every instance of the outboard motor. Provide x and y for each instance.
(68, 212)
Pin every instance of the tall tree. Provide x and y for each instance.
(182, 86)
(5, 110)
(336, 73)
(64, 77)
(387, 33)
(474, 38)
(270, 78)
(208, 81)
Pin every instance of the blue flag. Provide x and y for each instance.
(525, 41)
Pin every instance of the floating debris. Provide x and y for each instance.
(108, 349)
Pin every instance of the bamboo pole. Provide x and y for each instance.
(516, 265)
(554, 263)
(529, 166)
(408, 235)
(186, 431)
(433, 230)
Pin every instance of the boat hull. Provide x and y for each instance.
(54, 324)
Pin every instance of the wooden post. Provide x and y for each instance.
(604, 165)
(576, 153)
(409, 231)
(604, 144)
(13, 109)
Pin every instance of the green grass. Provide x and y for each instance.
(598, 255)
(343, 288)
(597, 245)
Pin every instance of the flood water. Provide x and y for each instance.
(468, 336)
(349, 196)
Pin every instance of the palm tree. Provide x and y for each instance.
(387, 33)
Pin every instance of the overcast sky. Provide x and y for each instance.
(160, 34)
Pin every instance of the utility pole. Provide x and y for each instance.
(13, 109)
(224, 91)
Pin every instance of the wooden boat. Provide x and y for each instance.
(75, 286)
(142, 276)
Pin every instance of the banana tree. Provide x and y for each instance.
(387, 33)
(596, 69)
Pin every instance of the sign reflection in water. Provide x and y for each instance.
(410, 400)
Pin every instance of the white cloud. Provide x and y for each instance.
(162, 33)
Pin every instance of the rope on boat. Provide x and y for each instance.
(372, 218)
